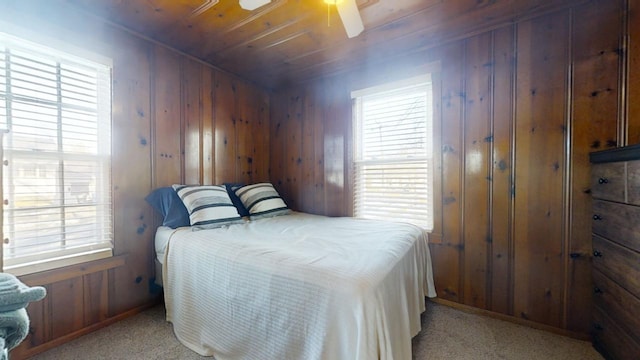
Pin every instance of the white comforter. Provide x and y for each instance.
(298, 287)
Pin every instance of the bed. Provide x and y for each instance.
(297, 286)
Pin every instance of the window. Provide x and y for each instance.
(393, 152)
(56, 178)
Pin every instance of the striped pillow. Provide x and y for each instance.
(209, 205)
(262, 200)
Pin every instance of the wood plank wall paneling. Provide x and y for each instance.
(96, 297)
(67, 295)
(175, 120)
(207, 160)
(225, 127)
(191, 126)
(518, 109)
(262, 143)
(308, 127)
(293, 155)
(131, 171)
(541, 128)
(501, 206)
(38, 314)
(276, 144)
(168, 113)
(596, 89)
(449, 253)
(477, 174)
(436, 237)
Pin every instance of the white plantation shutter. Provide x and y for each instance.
(393, 152)
(57, 180)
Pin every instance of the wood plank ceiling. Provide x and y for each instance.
(289, 41)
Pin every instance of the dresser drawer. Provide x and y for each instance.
(617, 222)
(608, 181)
(633, 182)
(622, 307)
(611, 340)
(618, 263)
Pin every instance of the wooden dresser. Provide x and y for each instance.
(615, 186)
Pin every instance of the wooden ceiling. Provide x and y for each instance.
(289, 41)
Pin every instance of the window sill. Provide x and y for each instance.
(72, 271)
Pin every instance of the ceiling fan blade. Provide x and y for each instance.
(253, 4)
(350, 15)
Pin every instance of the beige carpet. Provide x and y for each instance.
(446, 334)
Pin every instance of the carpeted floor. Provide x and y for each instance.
(446, 333)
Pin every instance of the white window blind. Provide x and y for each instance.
(56, 178)
(393, 152)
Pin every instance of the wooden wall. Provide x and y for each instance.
(175, 120)
(518, 109)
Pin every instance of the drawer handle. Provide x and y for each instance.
(603, 181)
(597, 217)
(597, 253)
(597, 290)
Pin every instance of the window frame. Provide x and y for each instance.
(102, 160)
(429, 73)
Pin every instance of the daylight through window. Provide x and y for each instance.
(56, 181)
(393, 152)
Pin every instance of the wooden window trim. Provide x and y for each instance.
(72, 271)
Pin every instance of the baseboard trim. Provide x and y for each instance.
(20, 353)
(512, 319)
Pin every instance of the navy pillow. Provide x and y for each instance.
(167, 203)
(231, 189)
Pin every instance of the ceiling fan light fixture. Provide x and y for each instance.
(333, 2)
(253, 4)
(350, 15)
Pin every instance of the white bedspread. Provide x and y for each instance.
(298, 287)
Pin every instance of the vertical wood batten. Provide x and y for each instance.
(307, 190)
(490, 174)
(448, 254)
(168, 118)
(276, 141)
(336, 115)
(566, 236)
(314, 97)
(131, 172)
(225, 131)
(436, 235)
(191, 125)
(540, 159)
(245, 118)
(632, 79)
(293, 157)
(502, 169)
(39, 323)
(68, 295)
(96, 297)
(595, 112)
(265, 165)
(208, 165)
(477, 180)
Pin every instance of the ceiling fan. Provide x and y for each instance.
(347, 9)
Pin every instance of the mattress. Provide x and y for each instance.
(163, 234)
(161, 241)
(298, 287)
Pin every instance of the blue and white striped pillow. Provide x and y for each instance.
(262, 200)
(209, 205)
